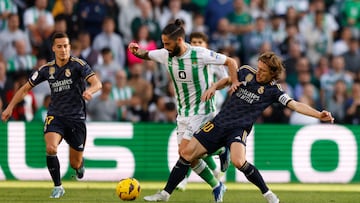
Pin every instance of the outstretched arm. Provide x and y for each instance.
(19, 96)
(135, 49)
(309, 111)
(95, 85)
(232, 68)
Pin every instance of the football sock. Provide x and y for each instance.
(205, 173)
(53, 165)
(177, 174)
(210, 162)
(254, 176)
(188, 173)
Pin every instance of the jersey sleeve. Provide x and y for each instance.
(159, 55)
(36, 77)
(212, 57)
(87, 71)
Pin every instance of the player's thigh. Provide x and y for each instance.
(193, 150)
(187, 126)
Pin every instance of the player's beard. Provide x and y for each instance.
(175, 52)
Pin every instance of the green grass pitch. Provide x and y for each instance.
(104, 192)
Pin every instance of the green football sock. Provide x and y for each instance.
(210, 162)
(189, 172)
(205, 173)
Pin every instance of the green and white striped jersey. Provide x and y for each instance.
(191, 76)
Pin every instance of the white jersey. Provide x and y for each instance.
(191, 76)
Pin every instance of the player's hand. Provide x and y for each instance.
(87, 95)
(6, 114)
(326, 116)
(234, 87)
(133, 47)
(208, 93)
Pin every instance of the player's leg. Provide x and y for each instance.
(52, 141)
(76, 137)
(238, 158)
(177, 174)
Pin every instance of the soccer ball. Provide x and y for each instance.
(128, 189)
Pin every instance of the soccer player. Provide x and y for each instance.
(189, 71)
(218, 72)
(230, 127)
(65, 119)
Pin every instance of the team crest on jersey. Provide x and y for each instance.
(51, 72)
(67, 72)
(261, 90)
(249, 77)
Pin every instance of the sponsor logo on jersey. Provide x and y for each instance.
(67, 72)
(51, 72)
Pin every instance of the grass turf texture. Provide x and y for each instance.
(89, 192)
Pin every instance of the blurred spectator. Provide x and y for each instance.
(176, 12)
(292, 35)
(216, 9)
(22, 61)
(328, 80)
(39, 22)
(24, 110)
(71, 18)
(278, 33)
(319, 40)
(45, 48)
(254, 39)
(264, 47)
(259, 8)
(108, 38)
(7, 8)
(292, 16)
(146, 19)
(321, 68)
(336, 103)
(290, 61)
(280, 7)
(142, 37)
(350, 15)
(158, 7)
(90, 55)
(353, 105)
(157, 75)
(309, 20)
(304, 81)
(301, 119)
(143, 89)
(103, 107)
(9, 35)
(223, 40)
(352, 57)
(240, 19)
(127, 14)
(41, 113)
(163, 110)
(342, 44)
(122, 94)
(199, 24)
(91, 16)
(6, 84)
(107, 70)
(75, 48)
(190, 6)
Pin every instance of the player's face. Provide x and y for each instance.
(61, 48)
(198, 42)
(172, 46)
(263, 74)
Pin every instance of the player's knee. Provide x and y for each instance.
(238, 163)
(75, 164)
(51, 150)
(187, 154)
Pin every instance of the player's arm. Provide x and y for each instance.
(309, 111)
(135, 49)
(18, 97)
(220, 84)
(95, 85)
(232, 68)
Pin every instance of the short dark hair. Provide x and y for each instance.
(175, 30)
(200, 35)
(58, 35)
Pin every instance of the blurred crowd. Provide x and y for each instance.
(318, 41)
